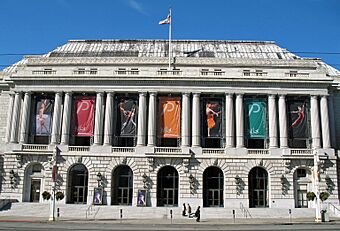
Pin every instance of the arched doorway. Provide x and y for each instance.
(167, 187)
(302, 182)
(258, 188)
(77, 184)
(213, 187)
(34, 177)
(122, 186)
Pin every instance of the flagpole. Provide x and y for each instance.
(170, 39)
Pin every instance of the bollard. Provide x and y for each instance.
(290, 215)
(58, 212)
(171, 215)
(121, 213)
(234, 215)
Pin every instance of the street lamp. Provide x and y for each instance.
(99, 178)
(315, 174)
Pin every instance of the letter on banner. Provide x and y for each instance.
(256, 118)
(297, 119)
(43, 117)
(128, 117)
(84, 116)
(170, 111)
(214, 118)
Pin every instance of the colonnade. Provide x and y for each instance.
(20, 104)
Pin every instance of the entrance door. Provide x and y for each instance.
(35, 190)
(213, 187)
(77, 185)
(123, 197)
(122, 186)
(167, 187)
(258, 188)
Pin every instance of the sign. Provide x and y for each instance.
(43, 117)
(256, 118)
(170, 111)
(98, 196)
(141, 199)
(128, 117)
(83, 116)
(297, 119)
(213, 114)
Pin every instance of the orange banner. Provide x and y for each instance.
(170, 116)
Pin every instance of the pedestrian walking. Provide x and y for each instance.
(184, 210)
(198, 214)
(189, 211)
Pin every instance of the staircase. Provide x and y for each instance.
(78, 211)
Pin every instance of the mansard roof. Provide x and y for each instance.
(221, 49)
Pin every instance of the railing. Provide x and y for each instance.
(44, 72)
(334, 209)
(258, 152)
(169, 72)
(127, 72)
(295, 74)
(244, 211)
(301, 152)
(89, 211)
(210, 73)
(78, 148)
(213, 151)
(167, 150)
(34, 147)
(85, 72)
(123, 149)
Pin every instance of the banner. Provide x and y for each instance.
(213, 114)
(43, 117)
(170, 116)
(128, 117)
(84, 115)
(297, 119)
(256, 118)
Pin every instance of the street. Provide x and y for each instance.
(38, 226)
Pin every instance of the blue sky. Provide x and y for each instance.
(38, 26)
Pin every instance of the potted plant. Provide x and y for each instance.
(324, 196)
(311, 196)
(46, 195)
(59, 196)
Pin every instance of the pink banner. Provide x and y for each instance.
(84, 116)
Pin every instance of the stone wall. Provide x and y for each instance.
(4, 104)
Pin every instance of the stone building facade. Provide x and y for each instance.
(157, 136)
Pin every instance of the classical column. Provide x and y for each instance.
(229, 121)
(152, 119)
(325, 122)
(239, 114)
(331, 120)
(65, 135)
(185, 119)
(15, 117)
(283, 122)
(25, 116)
(315, 122)
(196, 128)
(272, 121)
(108, 119)
(141, 131)
(98, 124)
(56, 118)
(9, 118)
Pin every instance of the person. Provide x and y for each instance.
(184, 210)
(141, 200)
(190, 214)
(210, 113)
(198, 214)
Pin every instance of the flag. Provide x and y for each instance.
(165, 21)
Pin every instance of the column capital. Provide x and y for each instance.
(314, 96)
(282, 96)
(196, 94)
(68, 93)
(153, 93)
(101, 93)
(186, 93)
(59, 93)
(142, 93)
(230, 94)
(272, 96)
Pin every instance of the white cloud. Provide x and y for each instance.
(134, 4)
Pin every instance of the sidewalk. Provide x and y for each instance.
(169, 221)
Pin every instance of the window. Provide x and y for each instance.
(246, 72)
(301, 173)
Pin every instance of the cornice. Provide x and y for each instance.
(228, 62)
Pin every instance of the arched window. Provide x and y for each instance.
(167, 187)
(122, 186)
(258, 188)
(213, 187)
(77, 184)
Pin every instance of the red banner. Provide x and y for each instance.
(84, 116)
(170, 117)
